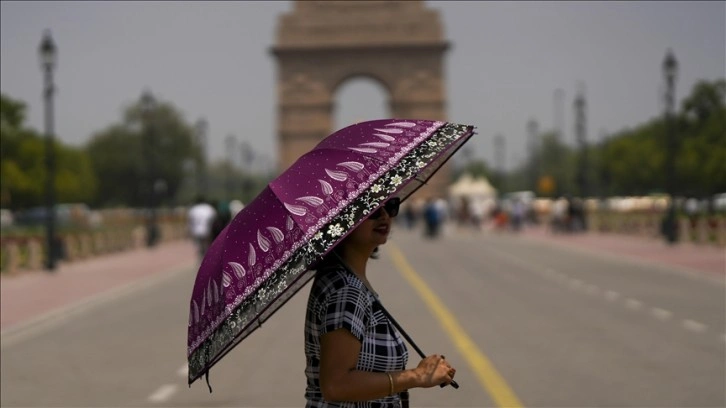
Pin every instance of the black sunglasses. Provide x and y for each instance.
(391, 206)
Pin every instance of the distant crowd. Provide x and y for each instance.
(568, 215)
(207, 219)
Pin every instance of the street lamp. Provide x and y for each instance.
(499, 156)
(248, 156)
(148, 106)
(48, 54)
(583, 170)
(670, 72)
(230, 143)
(201, 135)
(533, 147)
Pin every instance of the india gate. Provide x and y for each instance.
(322, 44)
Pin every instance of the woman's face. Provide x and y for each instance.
(372, 232)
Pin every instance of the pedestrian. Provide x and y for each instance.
(200, 218)
(476, 213)
(432, 216)
(355, 356)
(559, 215)
(235, 206)
(518, 211)
(222, 218)
(409, 216)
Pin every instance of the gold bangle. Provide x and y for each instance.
(390, 381)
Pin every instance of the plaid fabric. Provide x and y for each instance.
(338, 299)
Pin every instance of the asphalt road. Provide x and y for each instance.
(525, 323)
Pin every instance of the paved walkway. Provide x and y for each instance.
(709, 259)
(31, 295)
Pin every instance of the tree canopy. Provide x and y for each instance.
(157, 152)
(632, 161)
(22, 163)
(144, 153)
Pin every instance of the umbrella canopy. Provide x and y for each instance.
(263, 257)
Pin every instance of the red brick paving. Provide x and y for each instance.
(709, 259)
(30, 294)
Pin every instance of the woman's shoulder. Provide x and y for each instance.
(335, 278)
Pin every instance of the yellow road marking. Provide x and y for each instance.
(488, 375)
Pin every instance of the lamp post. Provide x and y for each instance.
(670, 72)
(201, 133)
(230, 144)
(583, 170)
(48, 58)
(248, 156)
(499, 156)
(148, 106)
(533, 148)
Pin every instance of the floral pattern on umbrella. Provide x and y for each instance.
(263, 256)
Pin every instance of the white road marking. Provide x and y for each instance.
(163, 393)
(612, 295)
(183, 371)
(633, 304)
(661, 314)
(693, 325)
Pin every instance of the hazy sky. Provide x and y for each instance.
(211, 59)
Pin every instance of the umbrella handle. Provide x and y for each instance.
(394, 322)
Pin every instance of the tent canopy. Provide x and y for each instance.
(468, 186)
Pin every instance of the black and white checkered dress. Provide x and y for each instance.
(338, 299)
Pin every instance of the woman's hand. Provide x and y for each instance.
(434, 370)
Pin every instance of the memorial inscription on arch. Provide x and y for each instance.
(322, 44)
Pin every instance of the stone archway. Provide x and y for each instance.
(322, 44)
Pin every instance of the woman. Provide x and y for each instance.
(355, 357)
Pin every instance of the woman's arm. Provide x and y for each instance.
(340, 381)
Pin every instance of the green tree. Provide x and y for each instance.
(558, 162)
(633, 160)
(705, 100)
(141, 154)
(22, 163)
(701, 162)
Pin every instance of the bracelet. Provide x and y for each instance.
(390, 381)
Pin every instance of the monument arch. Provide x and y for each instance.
(321, 45)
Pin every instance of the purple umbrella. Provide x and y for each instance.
(263, 257)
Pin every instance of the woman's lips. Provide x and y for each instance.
(383, 229)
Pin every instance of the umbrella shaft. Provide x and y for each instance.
(400, 330)
(409, 339)
(392, 320)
